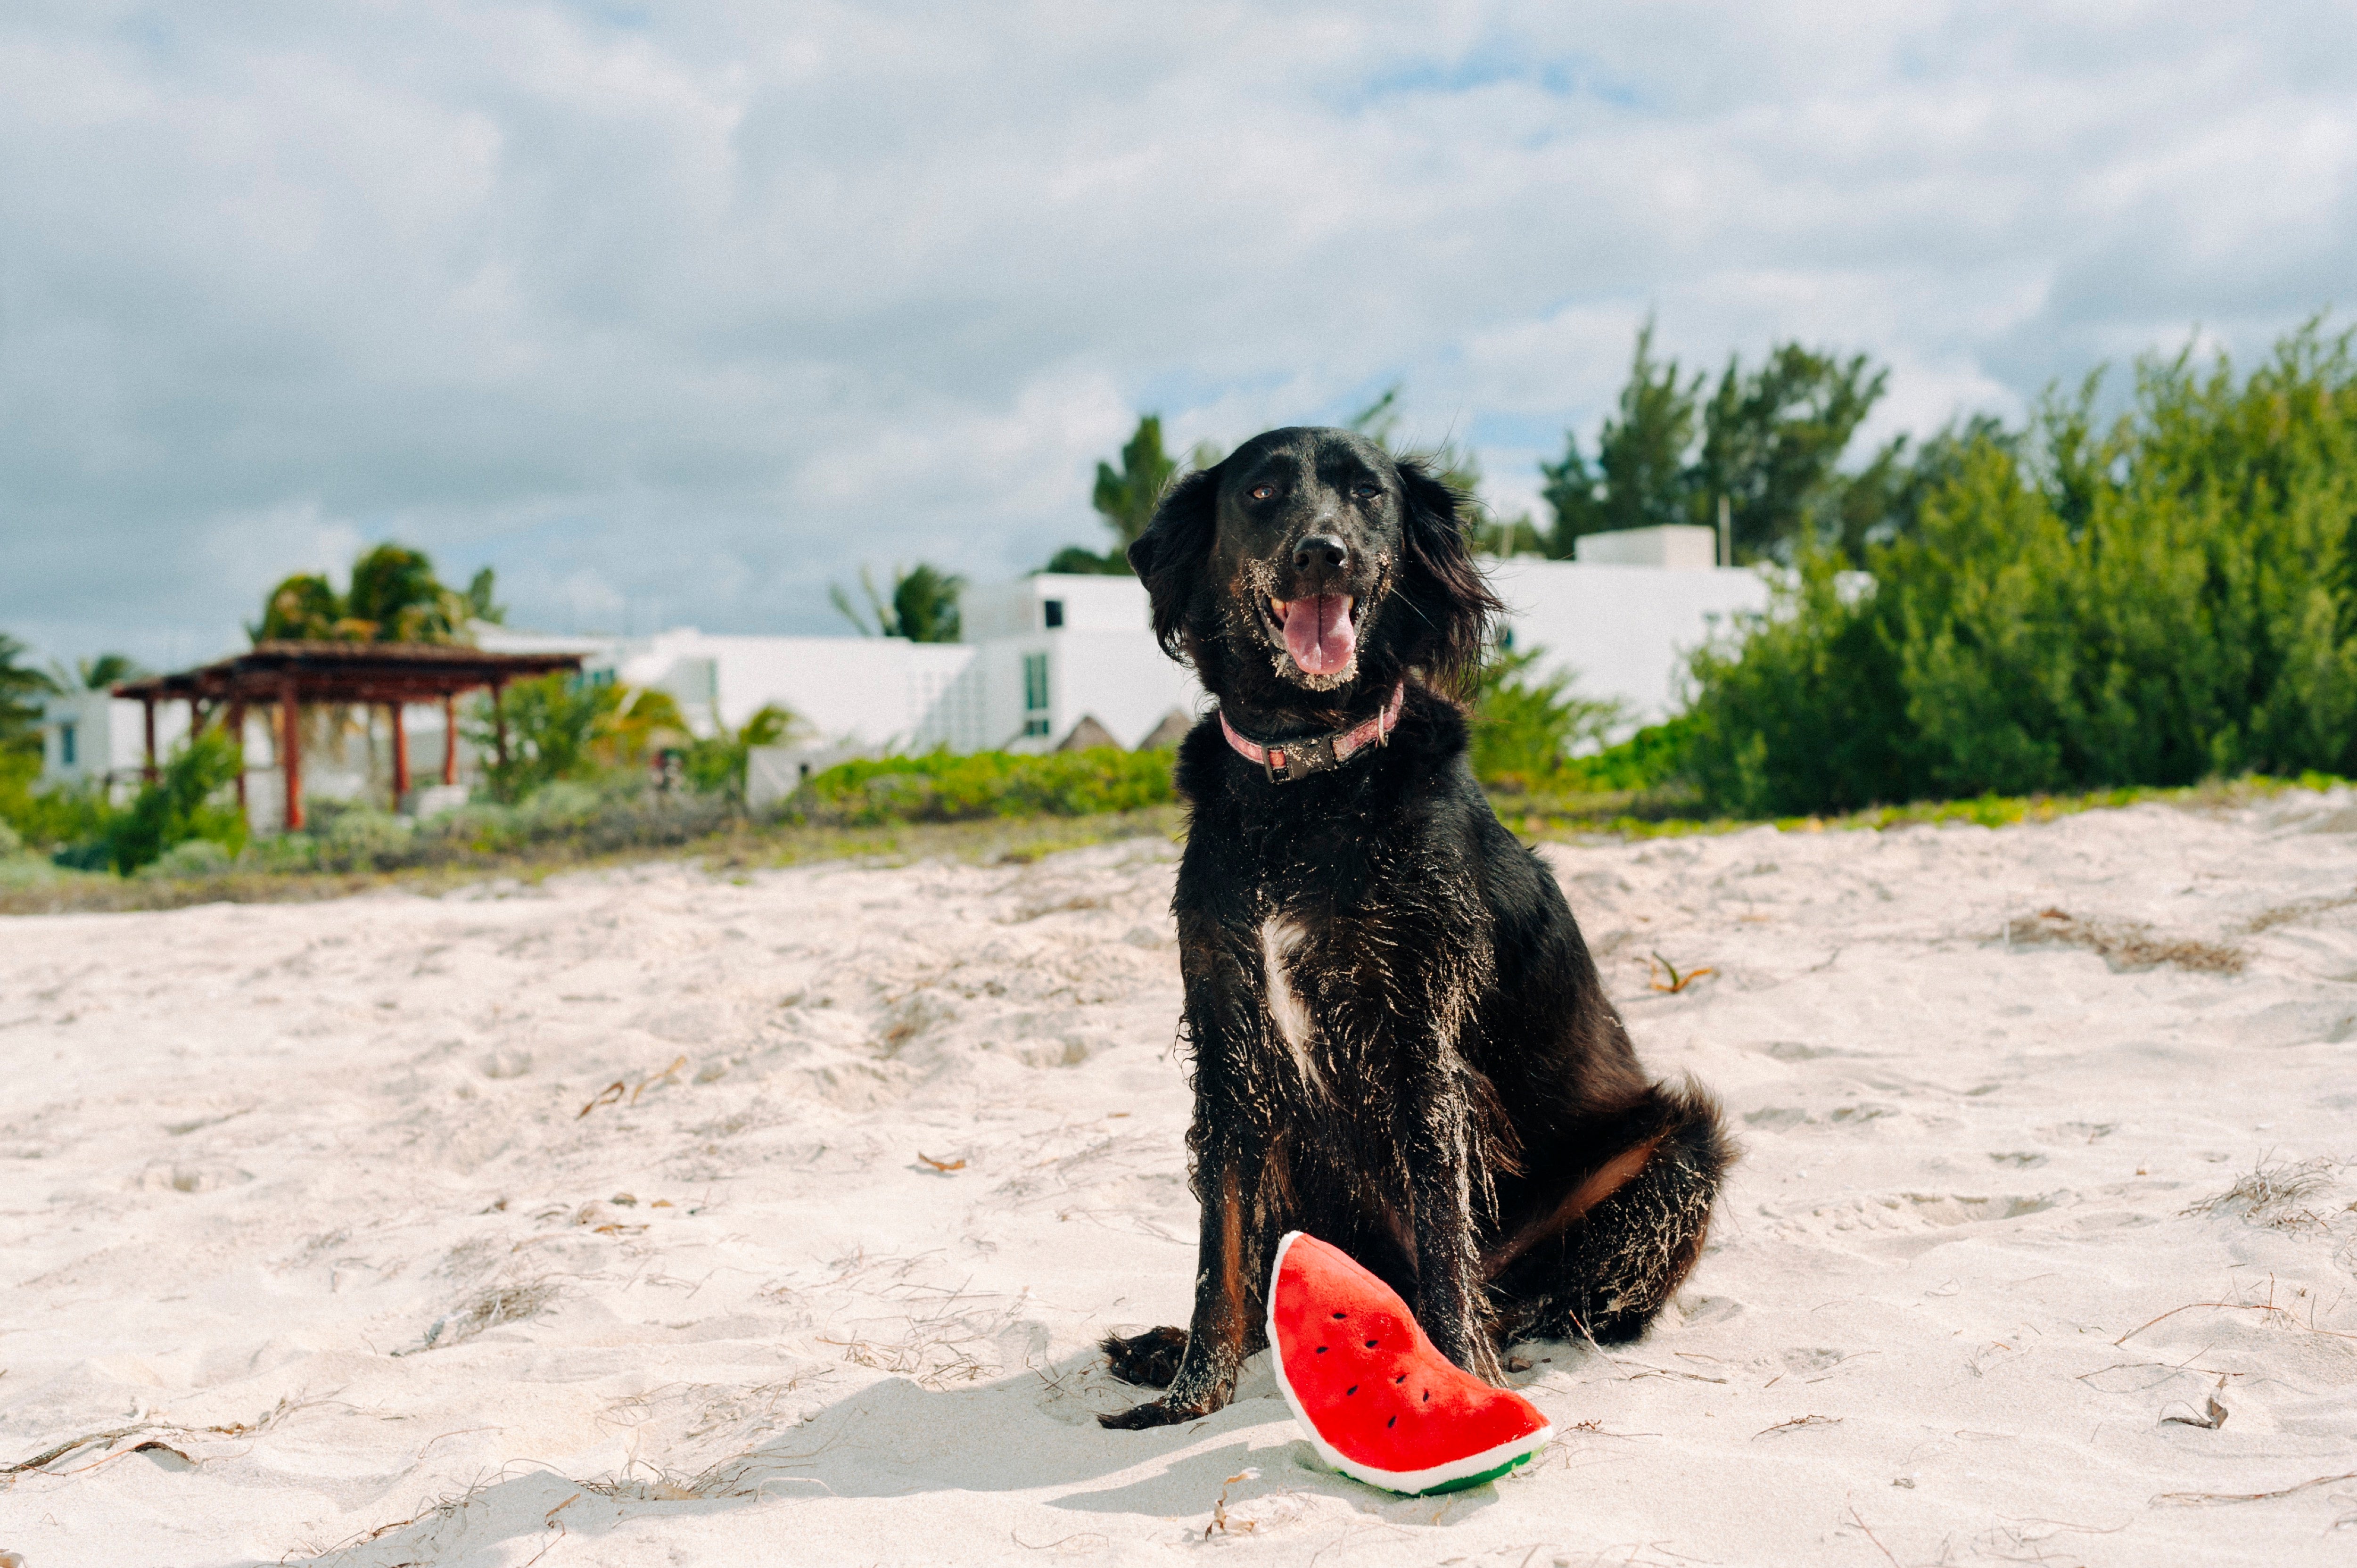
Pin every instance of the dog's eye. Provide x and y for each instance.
(1262, 492)
(1367, 489)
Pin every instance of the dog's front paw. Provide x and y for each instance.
(1149, 1360)
(1153, 1413)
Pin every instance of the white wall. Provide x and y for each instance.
(109, 737)
(1624, 631)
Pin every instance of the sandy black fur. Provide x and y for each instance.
(1467, 1116)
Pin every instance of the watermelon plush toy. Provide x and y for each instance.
(1379, 1401)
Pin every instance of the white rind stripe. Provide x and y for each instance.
(1405, 1481)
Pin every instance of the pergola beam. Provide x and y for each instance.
(289, 675)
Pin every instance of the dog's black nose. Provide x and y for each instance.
(1320, 550)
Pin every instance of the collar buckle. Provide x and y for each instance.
(1299, 759)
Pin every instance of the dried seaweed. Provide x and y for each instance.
(2125, 944)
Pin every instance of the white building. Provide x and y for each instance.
(89, 737)
(1623, 617)
(1048, 660)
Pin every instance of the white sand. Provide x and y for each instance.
(335, 1156)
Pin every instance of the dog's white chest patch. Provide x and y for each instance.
(1278, 938)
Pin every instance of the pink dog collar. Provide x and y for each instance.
(1291, 759)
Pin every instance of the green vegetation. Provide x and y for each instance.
(941, 787)
(178, 808)
(395, 597)
(2169, 599)
(1524, 727)
(924, 606)
(1765, 446)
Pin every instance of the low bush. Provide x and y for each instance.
(2170, 600)
(942, 787)
(180, 806)
(1525, 725)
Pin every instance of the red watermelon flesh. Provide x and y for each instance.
(1379, 1400)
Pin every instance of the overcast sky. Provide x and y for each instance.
(675, 314)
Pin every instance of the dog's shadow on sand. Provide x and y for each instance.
(1032, 1432)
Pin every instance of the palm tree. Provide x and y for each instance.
(21, 689)
(923, 606)
(99, 674)
(395, 597)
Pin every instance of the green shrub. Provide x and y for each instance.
(175, 809)
(195, 858)
(1524, 727)
(2170, 599)
(1654, 757)
(940, 787)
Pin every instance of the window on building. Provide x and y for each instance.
(69, 746)
(1052, 612)
(1035, 693)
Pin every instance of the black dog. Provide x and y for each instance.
(1400, 1042)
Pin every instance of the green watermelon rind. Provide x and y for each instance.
(1455, 1476)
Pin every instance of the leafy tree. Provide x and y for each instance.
(923, 606)
(1525, 726)
(99, 674)
(1125, 498)
(551, 725)
(304, 608)
(1640, 478)
(480, 604)
(175, 809)
(1884, 501)
(1770, 439)
(2170, 599)
(22, 687)
(716, 765)
(395, 597)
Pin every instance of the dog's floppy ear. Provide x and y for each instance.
(1168, 556)
(1442, 581)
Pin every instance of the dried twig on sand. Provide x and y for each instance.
(2195, 1499)
(1858, 1519)
(284, 1408)
(2125, 944)
(2275, 1316)
(1796, 1423)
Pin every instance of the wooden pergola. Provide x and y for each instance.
(390, 675)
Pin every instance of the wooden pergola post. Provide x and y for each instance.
(449, 737)
(290, 755)
(237, 739)
(147, 712)
(400, 753)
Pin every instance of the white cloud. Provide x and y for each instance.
(683, 316)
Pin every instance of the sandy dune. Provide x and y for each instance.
(648, 1218)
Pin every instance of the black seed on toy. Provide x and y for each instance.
(1321, 1350)
(1401, 1379)
(1341, 1315)
(1352, 1390)
(1393, 1421)
(1370, 1344)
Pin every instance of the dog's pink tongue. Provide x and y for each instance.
(1318, 633)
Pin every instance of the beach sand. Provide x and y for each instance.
(653, 1218)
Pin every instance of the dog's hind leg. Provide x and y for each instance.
(1602, 1260)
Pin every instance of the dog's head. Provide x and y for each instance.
(1309, 565)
